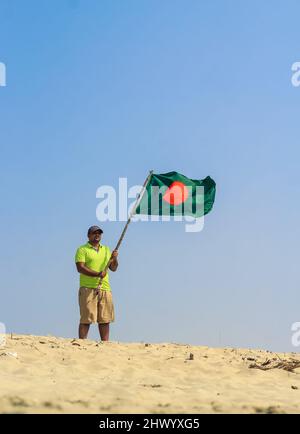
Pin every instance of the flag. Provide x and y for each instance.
(174, 194)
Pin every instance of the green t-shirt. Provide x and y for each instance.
(96, 261)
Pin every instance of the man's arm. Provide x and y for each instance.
(114, 261)
(83, 269)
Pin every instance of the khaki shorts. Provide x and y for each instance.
(96, 305)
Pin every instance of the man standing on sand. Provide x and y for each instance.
(96, 305)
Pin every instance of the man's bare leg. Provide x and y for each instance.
(83, 330)
(104, 331)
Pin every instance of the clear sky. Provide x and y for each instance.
(98, 90)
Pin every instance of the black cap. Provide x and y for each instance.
(93, 229)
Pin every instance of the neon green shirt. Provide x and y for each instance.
(96, 261)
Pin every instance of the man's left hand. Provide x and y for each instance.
(114, 260)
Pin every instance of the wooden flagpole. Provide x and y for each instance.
(138, 201)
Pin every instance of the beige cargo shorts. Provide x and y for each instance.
(96, 306)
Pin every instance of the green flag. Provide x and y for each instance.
(174, 194)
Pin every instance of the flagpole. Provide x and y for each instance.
(138, 201)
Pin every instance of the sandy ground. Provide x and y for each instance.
(55, 375)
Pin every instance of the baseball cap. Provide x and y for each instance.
(93, 229)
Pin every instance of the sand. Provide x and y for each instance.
(54, 375)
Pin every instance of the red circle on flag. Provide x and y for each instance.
(176, 194)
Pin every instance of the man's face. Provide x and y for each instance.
(95, 237)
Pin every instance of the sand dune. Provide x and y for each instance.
(54, 375)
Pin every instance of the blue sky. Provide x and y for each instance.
(98, 90)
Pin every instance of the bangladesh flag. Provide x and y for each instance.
(174, 194)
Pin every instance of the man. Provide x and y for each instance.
(96, 305)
